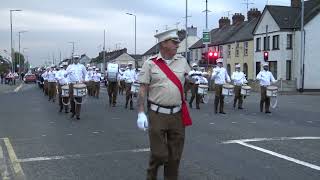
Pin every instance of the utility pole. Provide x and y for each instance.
(19, 57)
(247, 3)
(12, 51)
(302, 46)
(104, 51)
(206, 45)
(186, 50)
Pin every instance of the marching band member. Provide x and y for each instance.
(129, 76)
(239, 79)
(122, 81)
(76, 73)
(52, 83)
(89, 81)
(161, 79)
(193, 75)
(45, 81)
(220, 76)
(113, 77)
(96, 77)
(266, 78)
(62, 80)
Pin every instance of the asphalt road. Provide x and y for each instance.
(39, 143)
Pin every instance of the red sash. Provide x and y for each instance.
(186, 119)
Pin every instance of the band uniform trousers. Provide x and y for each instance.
(129, 95)
(166, 136)
(45, 87)
(237, 96)
(219, 98)
(194, 94)
(52, 90)
(113, 92)
(122, 87)
(186, 88)
(96, 89)
(90, 88)
(264, 99)
(75, 108)
(62, 99)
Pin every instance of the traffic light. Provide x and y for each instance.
(213, 56)
(204, 56)
(266, 55)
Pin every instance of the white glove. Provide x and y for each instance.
(142, 121)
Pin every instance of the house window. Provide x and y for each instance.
(220, 51)
(258, 44)
(237, 49)
(229, 51)
(275, 42)
(258, 67)
(288, 70)
(245, 45)
(289, 41)
(245, 69)
(229, 69)
(266, 43)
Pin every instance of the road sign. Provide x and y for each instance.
(206, 37)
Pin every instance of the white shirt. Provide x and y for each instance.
(44, 75)
(51, 75)
(201, 80)
(239, 78)
(194, 75)
(89, 76)
(129, 75)
(60, 76)
(265, 78)
(220, 75)
(76, 73)
(96, 77)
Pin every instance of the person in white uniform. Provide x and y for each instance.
(62, 80)
(129, 75)
(76, 73)
(220, 77)
(266, 79)
(239, 79)
(52, 83)
(96, 77)
(194, 75)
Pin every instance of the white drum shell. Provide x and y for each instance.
(135, 88)
(203, 89)
(246, 91)
(228, 90)
(79, 90)
(65, 91)
(272, 91)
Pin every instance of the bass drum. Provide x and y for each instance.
(112, 72)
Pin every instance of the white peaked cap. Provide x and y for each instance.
(61, 66)
(194, 64)
(238, 66)
(166, 35)
(97, 69)
(129, 63)
(89, 67)
(205, 73)
(220, 60)
(265, 64)
(93, 67)
(65, 63)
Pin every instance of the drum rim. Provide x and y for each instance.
(228, 86)
(246, 87)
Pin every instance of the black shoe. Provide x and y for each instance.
(60, 110)
(190, 105)
(126, 107)
(78, 118)
(66, 112)
(268, 112)
(113, 105)
(240, 108)
(222, 112)
(198, 107)
(131, 108)
(72, 115)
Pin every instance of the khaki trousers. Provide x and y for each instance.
(52, 90)
(64, 99)
(45, 87)
(96, 89)
(129, 95)
(186, 88)
(75, 108)
(194, 94)
(264, 99)
(219, 98)
(122, 87)
(113, 92)
(237, 96)
(166, 136)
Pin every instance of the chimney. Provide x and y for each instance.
(192, 31)
(253, 13)
(237, 18)
(224, 21)
(295, 3)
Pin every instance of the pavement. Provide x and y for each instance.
(39, 143)
(5, 88)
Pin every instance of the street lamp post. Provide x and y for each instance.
(20, 32)
(135, 35)
(12, 53)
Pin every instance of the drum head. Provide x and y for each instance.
(203, 86)
(272, 88)
(246, 87)
(228, 86)
(65, 87)
(79, 86)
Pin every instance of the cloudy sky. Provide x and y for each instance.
(51, 24)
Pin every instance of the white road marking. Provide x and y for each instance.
(18, 88)
(303, 163)
(69, 134)
(271, 139)
(43, 135)
(3, 166)
(95, 132)
(212, 123)
(234, 122)
(77, 156)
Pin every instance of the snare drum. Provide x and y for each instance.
(65, 91)
(203, 89)
(245, 90)
(272, 91)
(228, 90)
(79, 90)
(135, 87)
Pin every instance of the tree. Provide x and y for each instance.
(16, 60)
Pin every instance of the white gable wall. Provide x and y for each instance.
(267, 19)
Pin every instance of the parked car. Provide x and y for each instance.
(30, 78)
